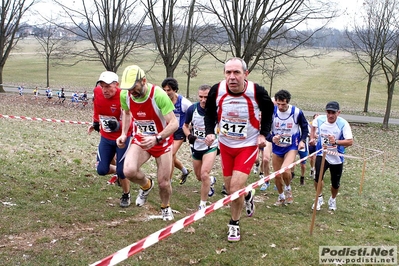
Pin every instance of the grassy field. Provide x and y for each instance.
(56, 210)
(312, 82)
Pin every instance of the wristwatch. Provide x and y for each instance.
(159, 138)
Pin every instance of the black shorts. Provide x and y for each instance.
(179, 135)
(197, 155)
(312, 149)
(335, 171)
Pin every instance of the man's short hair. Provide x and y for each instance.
(204, 87)
(282, 95)
(172, 83)
(243, 63)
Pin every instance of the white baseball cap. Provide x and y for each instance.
(108, 77)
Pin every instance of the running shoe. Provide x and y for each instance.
(249, 204)
(201, 206)
(143, 195)
(125, 200)
(183, 177)
(212, 187)
(320, 202)
(113, 180)
(264, 185)
(280, 202)
(234, 233)
(332, 204)
(311, 172)
(288, 197)
(167, 214)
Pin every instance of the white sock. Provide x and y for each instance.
(288, 187)
(184, 170)
(281, 196)
(203, 202)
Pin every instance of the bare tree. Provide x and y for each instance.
(196, 53)
(172, 28)
(194, 56)
(273, 67)
(366, 42)
(390, 51)
(53, 44)
(11, 13)
(112, 27)
(251, 26)
(390, 66)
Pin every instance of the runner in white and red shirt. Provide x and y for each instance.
(236, 104)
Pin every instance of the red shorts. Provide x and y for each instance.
(240, 159)
(157, 150)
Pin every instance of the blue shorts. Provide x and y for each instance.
(106, 152)
(281, 151)
(303, 154)
(179, 135)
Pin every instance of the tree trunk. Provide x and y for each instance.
(391, 85)
(169, 72)
(190, 49)
(1, 80)
(368, 89)
(188, 86)
(48, 71)
(389, 105)
(271, 86)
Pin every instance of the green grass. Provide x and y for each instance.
(65, 214)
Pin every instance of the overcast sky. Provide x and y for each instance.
(348, 9)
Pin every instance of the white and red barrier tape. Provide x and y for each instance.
(89, 123)
(152, 239)
(44, 119)
(343, 155)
